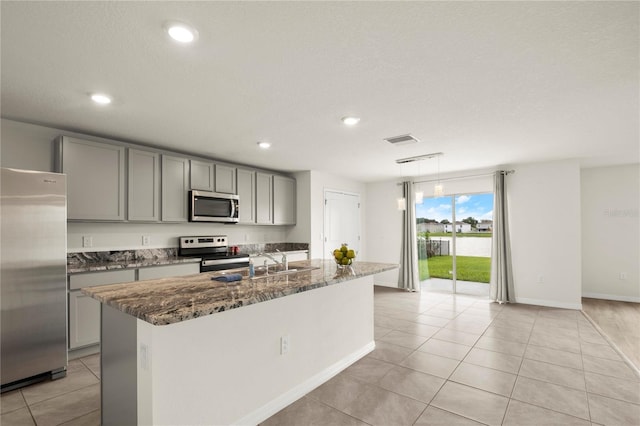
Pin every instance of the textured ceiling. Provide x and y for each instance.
(486, 83)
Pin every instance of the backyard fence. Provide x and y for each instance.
(429, 248)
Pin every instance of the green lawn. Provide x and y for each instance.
(469, 268)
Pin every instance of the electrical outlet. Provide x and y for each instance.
(144, 356)
(623, 276)
(246, 237)
(87, 241)
(284, 344)
(540, 279)
(146, 240)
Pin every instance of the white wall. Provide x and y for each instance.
(611, 232)
(383, 226)
(544, 220)
(28, 146)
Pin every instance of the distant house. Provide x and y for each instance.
(461, 227)
(485, 226)
(430, 227)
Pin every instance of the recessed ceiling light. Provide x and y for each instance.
(100, 98)
(264, 145)
(350, 121)
(181, 32)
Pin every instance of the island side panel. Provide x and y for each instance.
(118, 367)
(227, 368)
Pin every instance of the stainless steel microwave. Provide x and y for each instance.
(213, 207)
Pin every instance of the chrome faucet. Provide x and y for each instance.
(285, 262)
(266, 265)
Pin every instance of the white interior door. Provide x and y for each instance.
(341, 221)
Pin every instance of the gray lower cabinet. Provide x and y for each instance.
(246, 183)
(202, 175)
(144, 186)
(284, 200)
(95, 178)
(175, 187)
(264, 198)
(84, 311)
(225, 179)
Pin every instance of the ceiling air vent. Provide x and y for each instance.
(402, 139)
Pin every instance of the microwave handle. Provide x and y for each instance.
(234, 205)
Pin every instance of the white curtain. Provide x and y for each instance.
(409, 278)
(501, 288)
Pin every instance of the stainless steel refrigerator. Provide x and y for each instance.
(33, 256)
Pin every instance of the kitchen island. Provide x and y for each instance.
(191, 350)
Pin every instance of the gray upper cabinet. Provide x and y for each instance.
(202, 175)
(246, 182)
(111, 182)
(95, 179)
(264, 198)
(144, 186)
(225, 179)
(175, 187)
(284, 200)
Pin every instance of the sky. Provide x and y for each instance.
(478, 206)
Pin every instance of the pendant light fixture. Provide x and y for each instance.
(402, 201)
(419, 193)
(438, 190)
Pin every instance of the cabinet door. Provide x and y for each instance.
(175, 187)
(246, 182)
(95, 179)
(264, 198)
(144, 186)
(84, 311)
(165, 271)
(284, 200)
(202, 175)
(225, 179)
(84, 320)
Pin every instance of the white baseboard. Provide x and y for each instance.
(604, 335)
(612, 297)
(549, 303)
(277, 404)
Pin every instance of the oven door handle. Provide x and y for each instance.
(225, 261)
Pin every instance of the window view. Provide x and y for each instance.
(454, 241)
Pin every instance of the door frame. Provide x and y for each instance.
(325, 250)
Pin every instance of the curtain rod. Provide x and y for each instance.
(505, 172)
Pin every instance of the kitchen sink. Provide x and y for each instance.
(278, 270)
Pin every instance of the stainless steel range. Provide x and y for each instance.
(214, 251)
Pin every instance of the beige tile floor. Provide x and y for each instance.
(71, 401)
(440, 359)
(443, 359)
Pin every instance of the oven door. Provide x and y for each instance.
(213, 207)
(209, 265)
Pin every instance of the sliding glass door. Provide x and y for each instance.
(454, 242)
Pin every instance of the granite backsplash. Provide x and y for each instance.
(133, 256)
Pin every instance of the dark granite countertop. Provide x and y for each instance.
(97, 261)
(129, 264)
(176, 299)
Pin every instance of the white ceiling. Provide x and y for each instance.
(487, 83)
